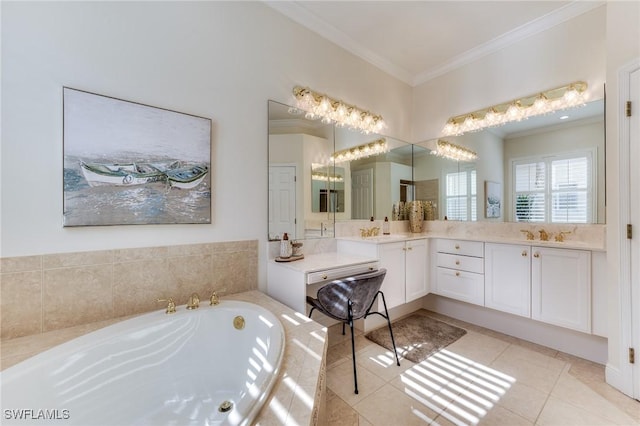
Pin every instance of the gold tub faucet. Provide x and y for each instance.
(194, 301)
(560, 236)
(215, 299)
(171, 305)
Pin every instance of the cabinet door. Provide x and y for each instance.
(561, 287)
(416, 265)
(507, 278)
(392, 258)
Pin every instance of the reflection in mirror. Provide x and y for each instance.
(376, 185)
(327, 188)
(547, 169)
(295, 143)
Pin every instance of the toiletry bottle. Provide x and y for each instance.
(285, 247)
(385, 226)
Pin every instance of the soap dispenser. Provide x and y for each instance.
(385, 226)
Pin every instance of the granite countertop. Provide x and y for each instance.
(567, 244)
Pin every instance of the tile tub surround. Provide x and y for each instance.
(298, 397)
(70, 289)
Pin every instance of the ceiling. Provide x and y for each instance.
(416, 41)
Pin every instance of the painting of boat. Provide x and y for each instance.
(186, 177)
(121, 174)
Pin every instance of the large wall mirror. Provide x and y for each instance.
(544, 169)
(547, 169)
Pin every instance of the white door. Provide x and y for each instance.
(282, 201)
(634, 188)
(362, 194)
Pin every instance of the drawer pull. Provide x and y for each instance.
(324, 277)
(536, 255)
(410, 248)
(457, 274)
(524, 253)
(371, 268)
(457, 247)
(457, 262)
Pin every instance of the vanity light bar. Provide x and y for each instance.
(453, 152)
(318, 105)
(376, 147)
(560, 98)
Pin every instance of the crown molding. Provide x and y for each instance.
(301, 15)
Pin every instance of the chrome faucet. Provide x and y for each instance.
(194, 301)
(171, 305)
(215, 299)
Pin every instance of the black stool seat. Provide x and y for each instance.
(352, 298)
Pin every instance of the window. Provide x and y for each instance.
(460, 195)
(555, 189)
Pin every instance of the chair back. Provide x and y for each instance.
(360, 289)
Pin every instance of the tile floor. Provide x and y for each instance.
(485, 378)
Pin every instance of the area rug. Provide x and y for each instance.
(417, 336)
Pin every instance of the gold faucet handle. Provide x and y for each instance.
(560, 236)
(171, 305)
(528, 233)
(194, 301)
(544, 235)
(215, 299)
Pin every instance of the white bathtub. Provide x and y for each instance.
(155, 369)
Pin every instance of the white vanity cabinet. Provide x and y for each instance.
(406, 263)
(561, 287)
(459, 270)
(507, 278)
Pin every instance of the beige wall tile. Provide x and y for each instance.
(143, 253)
(20, 264)
(190, 274)
(51, 261)
(21, 303)
(138, 285)
(84, 287)
(73, 296)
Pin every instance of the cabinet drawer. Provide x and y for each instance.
(336, 273)
(466, 248)
(464, 286)
(461, 263)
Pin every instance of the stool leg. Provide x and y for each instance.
(353, 346)
(395, 351)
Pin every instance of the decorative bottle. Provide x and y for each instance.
(285, 247)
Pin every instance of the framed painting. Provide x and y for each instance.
(493, 193)
(126, 163)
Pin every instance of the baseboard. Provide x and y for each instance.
(620, 381)
(587, 346)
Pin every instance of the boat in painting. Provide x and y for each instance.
(126, 174)
(175, 173)
(186, 177)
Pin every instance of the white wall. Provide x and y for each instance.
(573, 50)
(221, 60)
